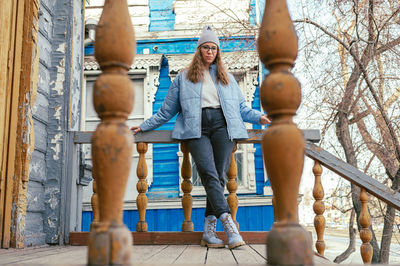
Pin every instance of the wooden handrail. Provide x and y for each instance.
(312, 151)
(164, 136)
(353, 175)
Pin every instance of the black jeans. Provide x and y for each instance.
(211, 154)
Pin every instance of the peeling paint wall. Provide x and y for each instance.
(72, 192)
(56, 111)
(34, 229)
(77, 66)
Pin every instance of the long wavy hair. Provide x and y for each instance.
(196, 67)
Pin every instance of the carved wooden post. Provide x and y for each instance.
(141, 186)
(319, 208)
(365, 234)
(95, 205)
(283, 143)
(110, 242)
(232, 187)
(187, 200)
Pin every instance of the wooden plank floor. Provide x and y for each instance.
(253, 254)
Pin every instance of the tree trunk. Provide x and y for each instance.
(375, 246)
(352, 244)
(387, 235)
(388, 223)
(344, 137)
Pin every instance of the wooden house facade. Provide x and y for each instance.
(47, 75)
(165, 45)
(47, 70)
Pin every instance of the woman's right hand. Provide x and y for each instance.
(264, 119)
(136, 129)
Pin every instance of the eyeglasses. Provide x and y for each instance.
(207, 48)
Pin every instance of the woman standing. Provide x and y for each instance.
(211, 110)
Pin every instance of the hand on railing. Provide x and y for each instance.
(264, 119)
(136, 129)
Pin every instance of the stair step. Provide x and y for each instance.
(171, 238)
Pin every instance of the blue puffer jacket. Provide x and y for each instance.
(184, 98)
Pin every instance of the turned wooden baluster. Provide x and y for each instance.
(187, 200)
(365, 234)
(95, 205)
(232, 187)
(283, 143)
(319, 208)
(141, 186)
(110, 241)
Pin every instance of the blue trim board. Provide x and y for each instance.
(250, 218)
(188, 45)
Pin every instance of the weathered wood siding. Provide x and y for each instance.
(56, 110)
(34, 232)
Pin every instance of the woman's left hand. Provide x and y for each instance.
(264, 120)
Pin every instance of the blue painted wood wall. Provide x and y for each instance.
(250, 218)
(165, 159)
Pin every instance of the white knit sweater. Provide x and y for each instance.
(209, 94)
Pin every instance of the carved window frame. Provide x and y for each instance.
(146, 67)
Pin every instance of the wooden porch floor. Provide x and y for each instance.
(253, 254)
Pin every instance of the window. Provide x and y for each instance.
(90, 121)
(144, 76)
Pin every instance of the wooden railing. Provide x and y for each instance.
(355, 176)
(283, 145)
(321, 159)
(142, 139)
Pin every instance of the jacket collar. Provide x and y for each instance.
(213, 72)
(213, 67)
